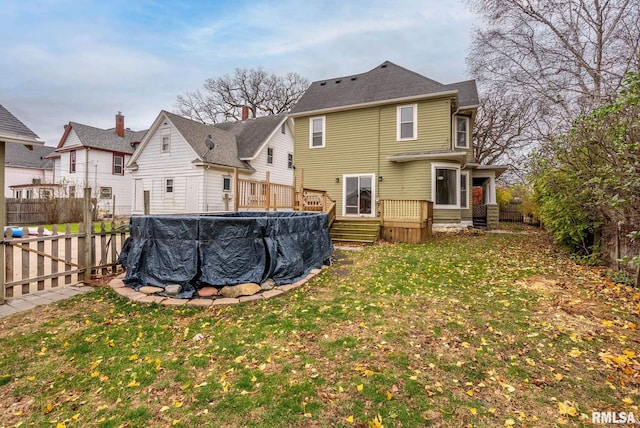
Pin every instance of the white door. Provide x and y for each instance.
(138, 196)
(193, 189)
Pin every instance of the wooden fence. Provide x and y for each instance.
(44, 211)
(512, 212)
(617, 245)
(44, 262)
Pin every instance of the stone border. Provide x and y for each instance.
(118, 286)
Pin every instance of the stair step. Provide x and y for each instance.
(361, 231)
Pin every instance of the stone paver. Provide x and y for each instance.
(14, 305)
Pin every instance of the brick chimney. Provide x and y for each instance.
(119, 125)
(245, 113)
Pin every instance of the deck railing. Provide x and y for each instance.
(255, 194)
(416, 210)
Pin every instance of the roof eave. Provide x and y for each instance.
(373, 103)
(499, 169)
(409, 157)
(198, 162)
(20, 139)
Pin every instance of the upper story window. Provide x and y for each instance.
(283, 128)
(270, 155)
(72, 161)
(290, 160)
(445, 187)
(166, 144)
(407, 122)
(118, 165)
(316, 132)
(462, 132)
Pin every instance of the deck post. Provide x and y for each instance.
(294, 190)
(88, 230)
(268, 192)
(146, 197)
(236, 190)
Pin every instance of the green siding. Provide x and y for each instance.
(359, 142)
(446, 216)
(493, 216)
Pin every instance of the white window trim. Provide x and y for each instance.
(168, 195)
(373, 195)
(324, 134)
(464, 174)
(110, 192)
(455, 132)
(399, 123)
(435, 166)
(289, 156)
(162, 137)
(273, 155)
(227, 177)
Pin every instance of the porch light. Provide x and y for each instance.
(337, 179)
(380, 178)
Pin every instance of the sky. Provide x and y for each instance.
(83, 61)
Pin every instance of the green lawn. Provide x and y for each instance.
(75, 227)
(491, 330)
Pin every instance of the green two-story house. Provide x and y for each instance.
(391, 134)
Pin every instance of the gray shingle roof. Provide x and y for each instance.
(225, 152)
(467, 93)
(106, 139)
(12, 125)
(385, 82)
(19, 156)
(251, 134)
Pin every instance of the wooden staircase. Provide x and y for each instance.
(364, 231)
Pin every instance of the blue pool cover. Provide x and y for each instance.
(224, 249)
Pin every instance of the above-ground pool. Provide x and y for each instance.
(224, 249)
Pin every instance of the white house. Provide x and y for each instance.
(187, 166)
(96, 158)
(28, 172)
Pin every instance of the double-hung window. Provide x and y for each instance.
(464, 192)
(317, 132)
(407, 122)
(118, 163)
(168, 187)
(462, 132)
(270, 155)
(72, 161)
(166, 144)
(290, 160)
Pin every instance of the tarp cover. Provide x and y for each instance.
(224, 249)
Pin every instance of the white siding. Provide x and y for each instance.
(154, 167)
(278, 171)
(98, 174)
(16, 176)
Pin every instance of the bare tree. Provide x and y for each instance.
(502, 129)
(222, 98)
(562, 58)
